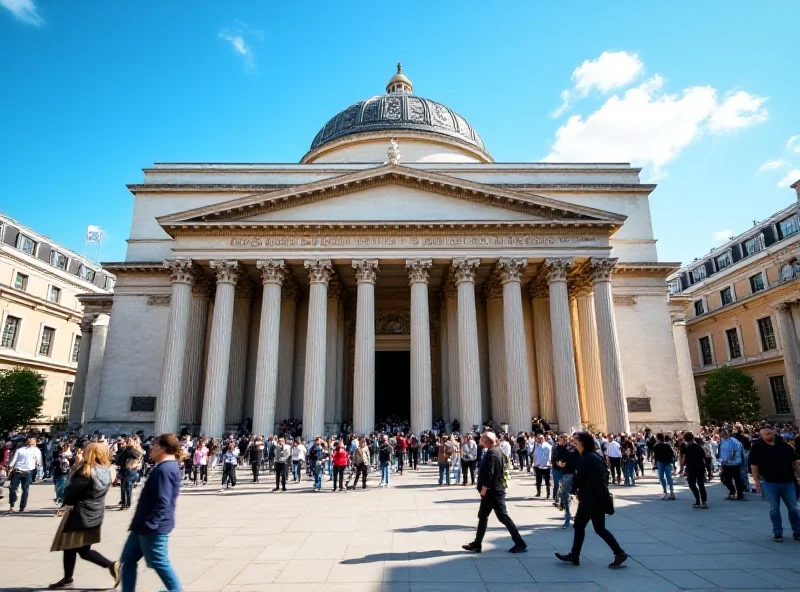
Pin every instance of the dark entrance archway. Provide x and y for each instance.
(392, 384)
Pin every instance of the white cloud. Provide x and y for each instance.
(722, 236)
(793, 143)
(24, 10)
(613, 69)
(771, 165)
(647, 126)
(790, 178)
(240, 46)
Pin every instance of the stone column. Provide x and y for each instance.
(191, 395)
(340, 373)
(566, 380)
(610, 361)
(212, 424)
(319, 274)
(542, 337)
(168, 402)
(94, 373)
(238, 358)
(445, 361)
(519, 396)
(685, 373)
(497, 349)
(453, 393)
(364, 374)
(332, 340)
(266, 383)
(469, 371)
(77, 405)
(593, 377)
(283, 407)
(421, 388)
(533, 384)
(579, 370)
(791, 357)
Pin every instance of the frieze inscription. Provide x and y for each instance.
(267, 242)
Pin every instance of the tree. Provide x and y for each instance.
(730, 395)
(21, 398)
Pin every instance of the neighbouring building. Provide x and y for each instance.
(396, 271)
(40, 311)
(739, 306)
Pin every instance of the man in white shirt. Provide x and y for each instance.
(614, 454)
(505, 447)
(23, 467)
(469, 454)
(541, 465)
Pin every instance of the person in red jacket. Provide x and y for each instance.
(340, 458)
(400, 451)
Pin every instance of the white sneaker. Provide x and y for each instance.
(665, 497)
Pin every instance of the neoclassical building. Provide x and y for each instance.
(396, 271)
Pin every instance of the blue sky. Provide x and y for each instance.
(704, 95)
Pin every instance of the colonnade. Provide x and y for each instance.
(599, 359)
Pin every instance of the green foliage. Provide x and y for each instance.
(21, 398)
(730, 395)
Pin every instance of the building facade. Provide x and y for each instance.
(739, 307)
(40, 311)
(396, 271)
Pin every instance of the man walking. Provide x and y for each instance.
(492, 487)
(730, 457)
(282, 454)
(155, 517)
(469, 454)
(22, 468)
(777, 464)
(541, 465)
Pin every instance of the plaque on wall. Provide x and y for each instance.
(143, 403)
(638, 405)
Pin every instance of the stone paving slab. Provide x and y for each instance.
(408, 538)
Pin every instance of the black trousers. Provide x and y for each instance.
(361, 471)
(522, 455)
(615, 469)
(87, 554)
(228, 474)
(256, 466)
(732, 478)
(468, 465)
(400, 460)
(280, 475)
(542, 474)
(697, 483)
(338, 473)
(597, 517)
(709, 469)
(413, 458)
(200, 474)
(492, 502)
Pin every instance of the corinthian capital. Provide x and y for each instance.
(602, 268)
(418, 270)
(228, 272)
(510, 269)
(465, 269)
(780, 306)
(319, 270)
(366, 270)
(181, 271)
(273, 271)
(557, 269)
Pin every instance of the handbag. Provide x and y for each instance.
(608, 503)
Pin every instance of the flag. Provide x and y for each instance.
(93, 234)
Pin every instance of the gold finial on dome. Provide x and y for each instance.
(399, 83)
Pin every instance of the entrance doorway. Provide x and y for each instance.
(392, 384)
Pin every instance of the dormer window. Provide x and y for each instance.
(699, 273)
(788, 226)
(754, 245)
(26, 244)
(85, 273)
(723, 260)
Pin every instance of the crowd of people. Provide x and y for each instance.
(585, 466)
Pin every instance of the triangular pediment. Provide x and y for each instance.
(390, 193)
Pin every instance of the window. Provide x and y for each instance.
(779, 397)
(726, 296)
(46, 344)
(733, 344)
(674, 287)
(76, 349)
(698, 308)
(85, 273)
(756, 283)
(724, 260)
(788, 227)
(54, 294)
(109, 283)
(754, 245)
(767, 334)
(705, 351)
(25, 244)
(21, 281)
(58, 260)
(67, 398)
(10, 331)
(699, 273)
(787, 272)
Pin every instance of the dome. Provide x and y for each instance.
(398, 110)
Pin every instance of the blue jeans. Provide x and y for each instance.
(59, 483)
(126, 488)
(629, 468)
(457, 473)
(556, 481)
(317, 468)
(775, 492)
(153, 547)
(444, 472)
(18, 478)
(665, 475)
(385, 473)
(565, 491)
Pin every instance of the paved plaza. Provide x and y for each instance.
(408, 538)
